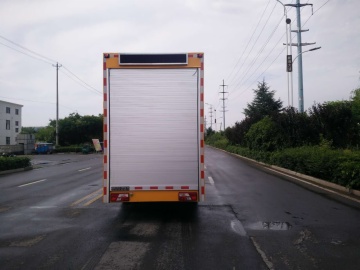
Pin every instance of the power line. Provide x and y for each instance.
(315, 12)
(258, 37)
(24, 48)
(257, 56)
(80, 81)
(254, 44)
(47, 102)
(262, 15)
(47, 61)
(261, 73)
(274, 59)
(26, 54)
(264, 60)
(267, 67)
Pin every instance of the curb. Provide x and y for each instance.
(301, 177)
(318, 181)
(16, 170)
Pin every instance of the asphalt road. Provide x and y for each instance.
(53, 218)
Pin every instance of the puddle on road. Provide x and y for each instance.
(273, 226)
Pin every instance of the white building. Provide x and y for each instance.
(10, 122)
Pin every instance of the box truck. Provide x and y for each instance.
(153, 127)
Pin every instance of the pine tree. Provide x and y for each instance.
(264, 103)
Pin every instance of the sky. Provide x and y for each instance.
(242, 43)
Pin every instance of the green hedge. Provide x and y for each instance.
(338, 166)
(11, 163)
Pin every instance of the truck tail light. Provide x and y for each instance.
(119, 197)
(188, 196)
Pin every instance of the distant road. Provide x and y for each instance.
(53, 218)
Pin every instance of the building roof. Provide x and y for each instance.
(11, 103)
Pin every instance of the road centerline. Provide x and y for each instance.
(84, 169)
(31, 183)
(86, 197)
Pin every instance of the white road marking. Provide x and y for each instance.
(35, 182)
(211, 180)
(84, 169)
(205, 167)
(268, 263)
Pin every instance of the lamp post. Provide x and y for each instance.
(301, 94)
(288, 56)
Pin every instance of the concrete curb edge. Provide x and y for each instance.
(16, 170)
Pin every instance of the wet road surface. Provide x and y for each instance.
(53, 218)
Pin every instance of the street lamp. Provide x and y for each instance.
(313, 49)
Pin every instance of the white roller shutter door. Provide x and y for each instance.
(153, 127)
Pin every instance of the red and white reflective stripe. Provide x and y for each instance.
(105, 125)
(175, 188)
(105, 151)
(202, 131)
(201, 127)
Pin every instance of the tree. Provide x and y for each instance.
(263, 135)
(76, 129)
(355, 108)
(46, 134)
(334, 122)
(355, 100)
(209, 132)
(264, 103)
(295, 129)
(28, 130)
(236, 134)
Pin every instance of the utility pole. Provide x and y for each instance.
(299, 49)
(205, 124)
(211, 112)
(223, 99)
(57, 102)
(215, 120)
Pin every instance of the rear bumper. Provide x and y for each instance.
(154, 195)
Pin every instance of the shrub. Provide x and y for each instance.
(263, 135)
(338, 166)
(11, 163)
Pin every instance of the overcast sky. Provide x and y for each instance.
(242, 42)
